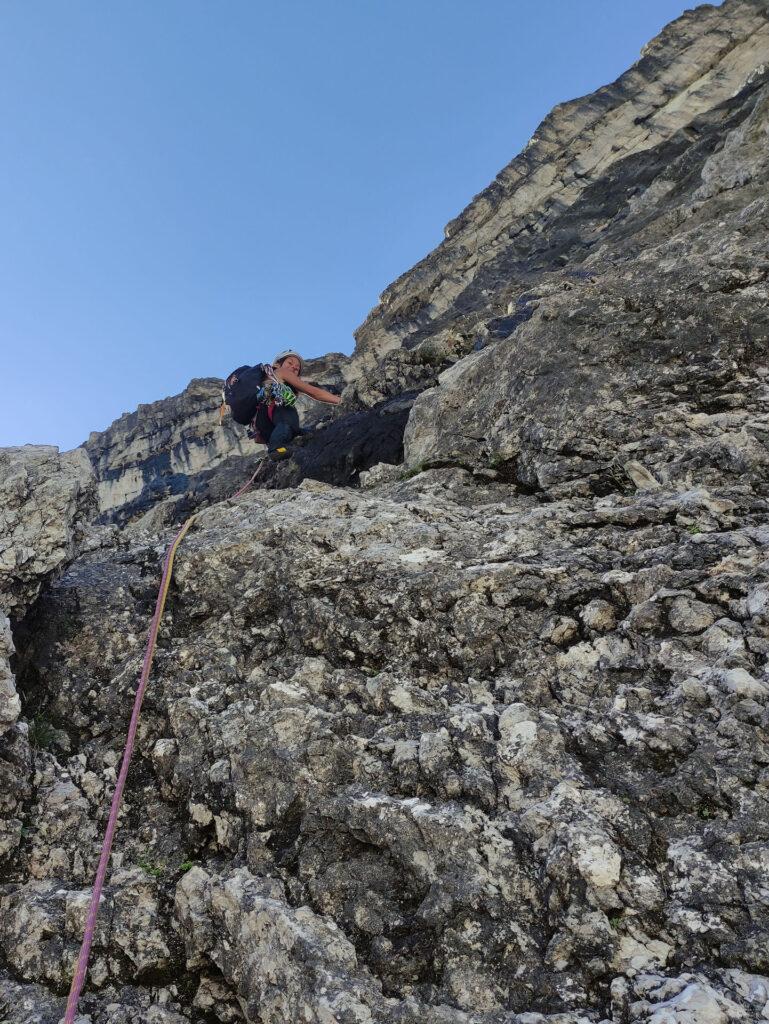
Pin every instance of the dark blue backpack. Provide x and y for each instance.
(241, 391)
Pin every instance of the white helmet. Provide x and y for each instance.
(278, 359)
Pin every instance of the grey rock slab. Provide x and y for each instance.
(45, 497)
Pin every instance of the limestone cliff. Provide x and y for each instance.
(525, 221)
(475, 735)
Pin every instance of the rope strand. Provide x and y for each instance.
(81, 968)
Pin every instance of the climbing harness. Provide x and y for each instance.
(78, 979)
(274, 391)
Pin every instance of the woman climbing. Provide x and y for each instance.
(276, 419)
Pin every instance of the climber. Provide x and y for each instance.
(282, 425)
(264, 396)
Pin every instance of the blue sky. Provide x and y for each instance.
(189, 185)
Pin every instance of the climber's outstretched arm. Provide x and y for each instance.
(319, 394)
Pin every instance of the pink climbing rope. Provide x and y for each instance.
(248, 483)
(78, 979)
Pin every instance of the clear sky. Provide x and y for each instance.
(188, 185)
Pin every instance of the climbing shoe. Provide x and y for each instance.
(276, 454)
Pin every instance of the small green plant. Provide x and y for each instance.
(414, 471)
(155, 870)
(705, 813)
(185, 865)
(693, 529)
(41, 733)
(614, 920)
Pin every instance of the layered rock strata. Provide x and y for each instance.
(697, 63)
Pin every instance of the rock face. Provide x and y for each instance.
(524, 222)
(45, 501)
(476, 735)
(44, 498)
(427, 751)
(650, 348)
(154, 452)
